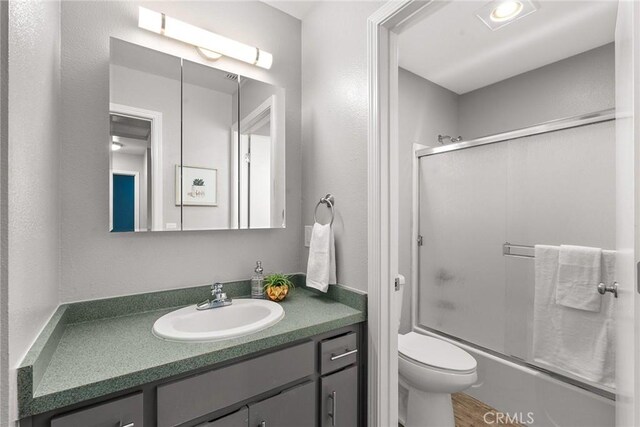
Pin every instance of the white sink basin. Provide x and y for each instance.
(243, 317)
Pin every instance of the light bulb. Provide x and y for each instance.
(506, 10)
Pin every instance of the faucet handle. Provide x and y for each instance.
(216, 288)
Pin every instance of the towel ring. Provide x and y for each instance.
(328, 200)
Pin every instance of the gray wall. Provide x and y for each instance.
(580, 84)
(33, 187)
(335, 115)
(98, 264)
(425, 110)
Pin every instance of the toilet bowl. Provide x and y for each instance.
(430, 370)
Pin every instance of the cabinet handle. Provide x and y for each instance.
(263, 424)
(332, 396)
(345, 354)
(127, 425)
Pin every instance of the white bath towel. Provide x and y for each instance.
(321, 268)
(579, 273)
(572, 342)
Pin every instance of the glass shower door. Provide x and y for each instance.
(553, 189)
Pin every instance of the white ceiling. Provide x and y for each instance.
(454, 49)
(297, 9)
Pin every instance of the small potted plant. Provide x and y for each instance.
(197, 188)
(277, 286)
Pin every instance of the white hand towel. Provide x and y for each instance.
(579, 273)
(577, 343)
(321, 268)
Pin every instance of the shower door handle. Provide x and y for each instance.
(603, 289)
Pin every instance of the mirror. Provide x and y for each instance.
(209, 123)
(144, 140)
(192, 147)
(260, 170)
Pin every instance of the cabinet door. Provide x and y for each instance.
(196, 396)
(125, 412)
(339, 399)
(295, 407)
(237, 419)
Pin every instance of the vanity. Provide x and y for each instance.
(96, 364)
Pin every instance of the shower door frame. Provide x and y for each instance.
(512, 136)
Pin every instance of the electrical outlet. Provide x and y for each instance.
(307, 235)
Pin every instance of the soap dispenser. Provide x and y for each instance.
(257, 282)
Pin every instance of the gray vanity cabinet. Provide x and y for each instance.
(295, 407)
(339, 398)
(123, 412)
(315, 382)
(237, 419)
(198, 395)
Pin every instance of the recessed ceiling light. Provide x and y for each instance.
(506, 10)
(115, 146)
(499, 13)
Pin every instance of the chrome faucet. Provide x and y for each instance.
(219, 298)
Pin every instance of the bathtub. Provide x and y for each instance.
(531, 397)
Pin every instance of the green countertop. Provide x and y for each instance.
(92, 349)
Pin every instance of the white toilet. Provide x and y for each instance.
(430, 369)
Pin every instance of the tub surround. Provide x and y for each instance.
(91, 349)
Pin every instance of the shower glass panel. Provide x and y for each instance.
(556, 188)
(462, 217)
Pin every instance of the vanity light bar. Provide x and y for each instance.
(202, 39)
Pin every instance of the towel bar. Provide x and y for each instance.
(328, 200)
(518, 251)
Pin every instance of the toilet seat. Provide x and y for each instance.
(435, 353)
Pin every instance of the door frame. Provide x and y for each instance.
(136, 195)
(157, 177)
(383, 28)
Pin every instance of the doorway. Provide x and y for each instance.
(384, 28)
(126, 215)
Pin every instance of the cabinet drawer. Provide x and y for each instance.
(126, 411)
(336, 353)
(237, 419)
(339, 399)
(193, 397)
(295, 407)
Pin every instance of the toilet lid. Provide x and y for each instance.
(435, 352)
